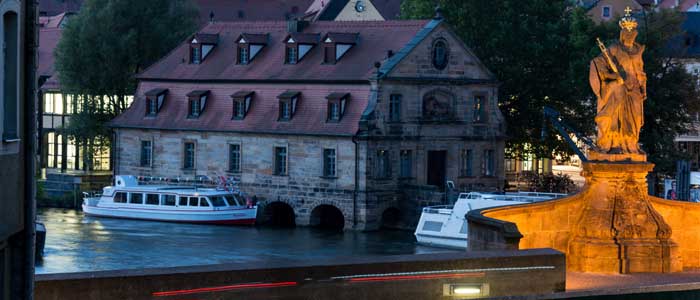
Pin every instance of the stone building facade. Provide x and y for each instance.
(18, 32)
(367, 125)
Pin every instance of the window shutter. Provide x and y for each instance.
(202, 103)
(294, 105)
(161, 98)
(247, 103)
(342, 106)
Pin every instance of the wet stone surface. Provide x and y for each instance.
(77, 243)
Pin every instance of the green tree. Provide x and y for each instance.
(540, 50)
(673, 95)
(102, 49)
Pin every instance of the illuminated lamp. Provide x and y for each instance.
(465, 290)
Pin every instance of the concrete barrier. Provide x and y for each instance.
(426, 276)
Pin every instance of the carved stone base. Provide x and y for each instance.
(619, 231)
(627, 157)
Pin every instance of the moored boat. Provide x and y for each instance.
(188, 204)
(445, 225)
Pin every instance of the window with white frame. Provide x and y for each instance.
(329, 161)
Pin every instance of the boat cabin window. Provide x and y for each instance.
(232, 201)
(152, 199)
(120, 197)
(218, 201)
(203, 201)
(169, 200)
(183, 201)
(193, 201)
(136, 198)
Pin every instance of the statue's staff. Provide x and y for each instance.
(611, 64)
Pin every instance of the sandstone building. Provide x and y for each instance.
(352, 123)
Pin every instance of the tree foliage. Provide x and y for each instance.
(540, 51)
(101, 50)
(105, 45)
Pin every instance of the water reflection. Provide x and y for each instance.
(76, 243)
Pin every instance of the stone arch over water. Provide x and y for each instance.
(278, 213)
(391, 218)
(327, 216)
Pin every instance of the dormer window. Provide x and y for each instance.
(241, 104)
(154, 101)
(335, 45)
(288, 105)
(298, 45)
(201, 45)
(336, 106)
(249, 45)
(197, 101)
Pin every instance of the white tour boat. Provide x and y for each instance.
(446, 226)
(128, 199)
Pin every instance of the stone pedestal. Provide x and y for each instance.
(619, 231)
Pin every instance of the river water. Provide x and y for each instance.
(77, 243)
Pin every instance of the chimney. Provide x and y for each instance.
(389, 53)
(296, 25)
(211, 16)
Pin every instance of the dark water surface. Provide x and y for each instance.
(77, 243)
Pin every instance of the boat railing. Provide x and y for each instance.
(92, 194)
(221, 183)
(438, 209)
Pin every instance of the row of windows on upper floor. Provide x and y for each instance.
(65, 104)
(288, 101)
(297, 46)
(242, 103)
(382, 166)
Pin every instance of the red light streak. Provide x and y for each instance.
(414, 277)
(224, 288)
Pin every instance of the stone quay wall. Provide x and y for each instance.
(424, 276)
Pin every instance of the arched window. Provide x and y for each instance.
(440, 54)
(10, 81)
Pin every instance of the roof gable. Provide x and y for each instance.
(415, 59)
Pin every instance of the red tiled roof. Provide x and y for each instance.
(309, 118)
(342, 37)
(206, 38)
(54, 7)
(250, 10)
(52, 22)
(329, 9)
(48, 39)
(374, 40)
(253, 38)
(390, 9)
(684, 5)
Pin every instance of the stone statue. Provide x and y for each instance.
(618, 80)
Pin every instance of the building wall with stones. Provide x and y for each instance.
(438, 114)
(304, 188)
(448, 105)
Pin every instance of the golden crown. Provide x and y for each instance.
(628, 22)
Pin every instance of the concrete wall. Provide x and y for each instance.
(539, 271)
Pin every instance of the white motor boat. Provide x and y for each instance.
(446, 226)
(128, 199)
